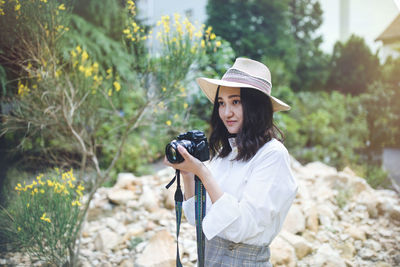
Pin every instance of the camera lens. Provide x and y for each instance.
(172, 153)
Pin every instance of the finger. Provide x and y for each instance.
(185, 154)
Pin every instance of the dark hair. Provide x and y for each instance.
(258, 126)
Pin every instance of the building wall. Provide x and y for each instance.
(367, 18)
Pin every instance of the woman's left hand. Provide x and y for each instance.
(189, 164)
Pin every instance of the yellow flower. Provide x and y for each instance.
(182, 89)
(218, 43)
(126, 31)
(42, 191)
(43, 218)
(117, 86)
(19, 229)
(44, 1)
(164, 89)
(84, 56)
(212, 36)
(50, 183)
(203, 44)
(61, 7)
(17, 7)
(78, 49)
(176, 116)
(185, 105)
(168, 122)
(109, 92)
(27, 205)
(76, 202)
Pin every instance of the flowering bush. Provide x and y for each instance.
(44, 216)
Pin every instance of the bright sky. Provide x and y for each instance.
(368, 19)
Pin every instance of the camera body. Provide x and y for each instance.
(195, 143)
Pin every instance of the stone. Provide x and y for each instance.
(326, 256)
(394, 213)
(347, 250)
(301, 246)
(312, 221)
(168, 198)
(282, 253)
(356, 232)
(127, 263)
(106, 240)
(120, 196)
(127, 181)
(160, 251)
(295, 221)
(319, 169)
(149, 200)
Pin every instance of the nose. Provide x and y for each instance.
(228, 111)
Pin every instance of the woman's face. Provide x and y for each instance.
(230, 108)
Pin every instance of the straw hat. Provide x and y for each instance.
(244, 73)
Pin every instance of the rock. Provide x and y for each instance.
(319, 169)
(282, 253)
(160, 251)
(301, 246)
(366, 254)
(356, 232)
(295, 221)
(312, 222)
(127, 181)
(106, 239)
(120, 196)
(326, 256)
(394, 213)
(115, 225)
(149, 200)
(326, 214)
(126, 263)
(347, 250)
(168, 198)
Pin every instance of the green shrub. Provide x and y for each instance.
(324, 127)
(43, 217)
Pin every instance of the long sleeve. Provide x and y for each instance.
(268, 193)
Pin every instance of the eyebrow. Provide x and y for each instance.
(231, 96)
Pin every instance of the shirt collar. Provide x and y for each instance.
(233, 144)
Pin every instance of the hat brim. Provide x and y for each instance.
(209, 87)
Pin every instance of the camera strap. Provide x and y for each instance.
(200, 212)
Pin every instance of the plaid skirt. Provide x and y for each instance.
(222, 252)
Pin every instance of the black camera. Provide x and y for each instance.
(195, 143)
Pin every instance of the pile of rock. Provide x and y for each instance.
(337, 219)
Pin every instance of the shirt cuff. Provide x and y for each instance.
(188, 209)
(222, 213)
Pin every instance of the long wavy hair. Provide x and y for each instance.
(258, 126)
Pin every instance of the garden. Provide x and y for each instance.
(85, 97)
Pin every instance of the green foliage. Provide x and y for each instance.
(343, 196)
(311, 64)
(383, 114)
(353, 67)
(254, 28)
(325, 127)
(43, 217)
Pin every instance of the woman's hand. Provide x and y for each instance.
(189, 165)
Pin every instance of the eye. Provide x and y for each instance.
(220, 103)
(236, 101)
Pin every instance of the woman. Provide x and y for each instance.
(248, 180)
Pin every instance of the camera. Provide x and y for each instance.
(195, 143)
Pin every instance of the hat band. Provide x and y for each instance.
(234, 75)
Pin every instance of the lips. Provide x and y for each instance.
(230, 123)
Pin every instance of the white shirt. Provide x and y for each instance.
(256, 199)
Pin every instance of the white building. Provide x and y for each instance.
(365, 18)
